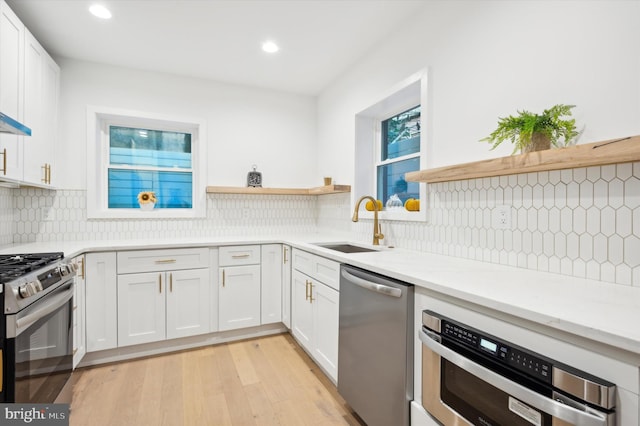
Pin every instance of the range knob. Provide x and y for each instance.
(29, 289)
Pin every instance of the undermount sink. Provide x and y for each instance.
(345, 247)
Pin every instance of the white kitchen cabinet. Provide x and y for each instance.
(271, 283)
(315, 308)
(79, 311)
(301, 310)
(29, 88)
(239, 293)
(286, 286)
(42, 77)
(101, 301)
(11, 91)
(164, 303)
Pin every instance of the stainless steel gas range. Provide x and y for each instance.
(36, 328)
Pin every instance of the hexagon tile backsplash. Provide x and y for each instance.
(581, 222)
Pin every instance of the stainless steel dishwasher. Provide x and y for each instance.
(375, 352)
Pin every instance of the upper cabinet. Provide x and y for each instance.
(42, 76)
(29, 86)
(11, 91)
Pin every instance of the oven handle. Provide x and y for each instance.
(44, 308)
(547, 405)
(371, 286)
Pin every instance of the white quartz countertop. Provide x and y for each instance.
(603, 312)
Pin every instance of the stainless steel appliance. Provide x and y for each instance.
(470, 377)
(375, 352)
(36, 340)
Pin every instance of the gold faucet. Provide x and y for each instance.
(377, 231)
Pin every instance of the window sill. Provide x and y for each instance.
(147, 214)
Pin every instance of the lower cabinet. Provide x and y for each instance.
(79, 335)
(239, 293)
(101, 301)
(314, 320)
(239, 297)
(154, 306)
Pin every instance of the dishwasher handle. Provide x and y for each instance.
(371, 286)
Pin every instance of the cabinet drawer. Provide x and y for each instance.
(162, 260)
(239, 255)
(322, 269)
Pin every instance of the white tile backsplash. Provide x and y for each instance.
(581, 222)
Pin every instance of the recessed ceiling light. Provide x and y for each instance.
(100, 11)
(270, 47)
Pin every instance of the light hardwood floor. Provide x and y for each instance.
(264, 381)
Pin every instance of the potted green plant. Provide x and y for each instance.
(535, 132)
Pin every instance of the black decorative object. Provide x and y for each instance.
(254, 178)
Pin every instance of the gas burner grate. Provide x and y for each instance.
(13, 266)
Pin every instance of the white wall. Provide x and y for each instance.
(487, 59)
(274, 130)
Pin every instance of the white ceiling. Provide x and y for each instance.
(221, 39)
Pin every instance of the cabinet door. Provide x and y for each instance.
(239, 297)
(79, 346)
(301, 310)
(188, 306)
(11, 90)
(286, 286)
(271, 283)
(325, 301)
(141, 308)
(101, 291)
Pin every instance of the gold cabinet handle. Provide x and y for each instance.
(161, 261)
(4, 161)
(81, 267)
(44, 172)
(284, 259)
(160, 282)
(223, 277)
(49, 174)
(240, 256)
(171, 282)
(311, 299)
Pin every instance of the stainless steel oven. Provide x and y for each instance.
(470, 377)
(37, 338)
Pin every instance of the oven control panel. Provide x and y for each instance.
(525, 361)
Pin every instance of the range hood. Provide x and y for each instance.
(9, 125)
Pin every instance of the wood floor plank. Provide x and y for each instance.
(268, 381)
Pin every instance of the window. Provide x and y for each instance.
(149, 160)
(399, 154)
(136, 152)
(389, 144)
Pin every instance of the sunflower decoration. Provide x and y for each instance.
(146, 197)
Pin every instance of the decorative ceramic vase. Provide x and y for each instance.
(539, 142)
(147, 206)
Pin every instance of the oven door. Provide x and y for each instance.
(458, 391)
(40, 348)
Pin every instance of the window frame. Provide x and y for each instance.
(98, 121)
(368, 144)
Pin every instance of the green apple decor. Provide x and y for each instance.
(535, 132)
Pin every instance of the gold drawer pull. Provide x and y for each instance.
(240, 256)
(166, 261)
(4, 161)
(160, 282)
(171, 282)
(223, 277)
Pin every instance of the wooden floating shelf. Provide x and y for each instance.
(321, 190)
(622, 150)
